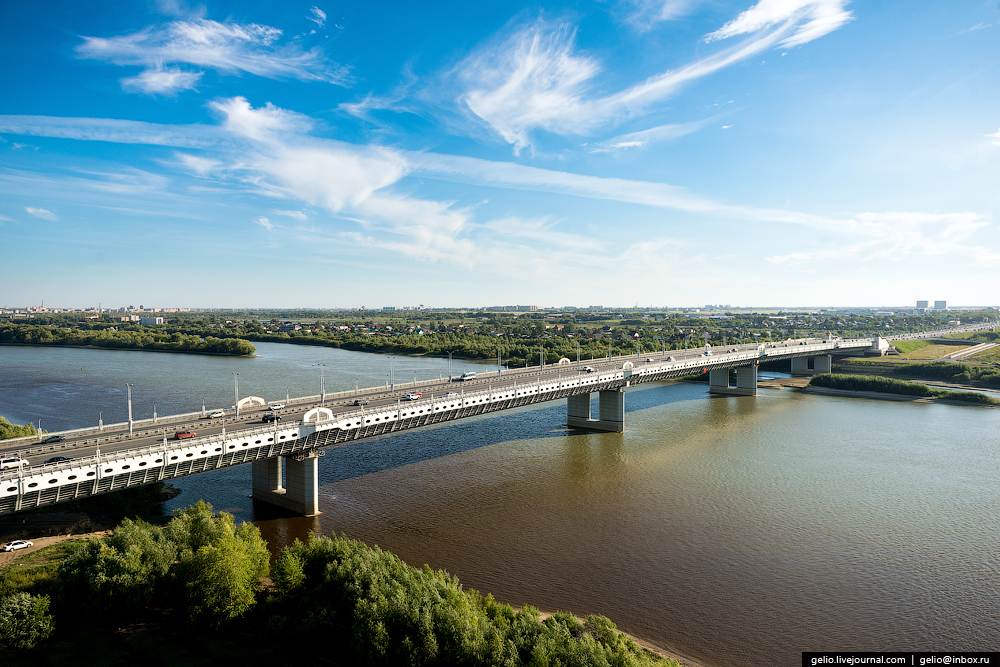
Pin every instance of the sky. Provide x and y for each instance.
(665, 153)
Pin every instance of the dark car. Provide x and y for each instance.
(53, 438)
(59, 459)
(361, 401)
(270, 417)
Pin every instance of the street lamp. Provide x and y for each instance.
(449, 366)
(236, 392)
(322, 383)
(129, 387)
(392, 376)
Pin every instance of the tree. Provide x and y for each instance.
(24, 621)
(8, 430)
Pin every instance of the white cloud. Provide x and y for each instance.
(899, 235)
(198, 164)
(265, 223)
(225, 47)
(812, 18)
(116, 131)
(295, 215)
(40, 213)
(644, 15)
(4, 218)
(535, 80)
(162, 81)
(261, 124)
(995, 138)
(646, 137)
(317, 16)
(129, 181)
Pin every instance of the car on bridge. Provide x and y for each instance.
(412, 397)
(361, 401)
(450, 393)
(217, 414)
(17, 544)
(270, 417)
(59, 459)
(53, 438)
(276, 406)
(12, 463)
(671, 359)
(183, 435)
(586, 369)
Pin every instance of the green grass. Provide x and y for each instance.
(36, 573)
(886, 385)
(908, 346)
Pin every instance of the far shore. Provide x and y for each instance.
(802, 384)
(130, 349)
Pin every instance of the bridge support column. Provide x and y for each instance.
(746, 382)
(301, 491)
(823, 364)
(611, 410)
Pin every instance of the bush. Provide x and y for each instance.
(24, 621)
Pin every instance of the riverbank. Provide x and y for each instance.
(129, 349)
(802, 384)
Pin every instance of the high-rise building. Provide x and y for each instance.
(940, 305)
(921, 304)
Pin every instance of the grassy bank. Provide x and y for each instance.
(878, 383)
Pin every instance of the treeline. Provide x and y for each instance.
(987, 376)
(367, 605)
(29, 334)
(895, 386)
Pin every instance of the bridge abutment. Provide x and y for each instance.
(611, 411)
(746, 382)
(300, 493)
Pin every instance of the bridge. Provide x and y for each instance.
(284, 454)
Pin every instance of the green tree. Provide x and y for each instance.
(24, 621)
(9, 430)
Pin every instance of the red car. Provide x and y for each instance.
(181, 435)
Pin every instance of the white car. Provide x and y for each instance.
(217, 414)
(412, 397)
(450, 393)
(12, 463)
(17, 544)
(276, 406)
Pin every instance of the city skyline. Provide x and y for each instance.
(675, 152)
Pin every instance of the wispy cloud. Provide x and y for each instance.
(900, 235)
(40, 213)
(197, 163)
(995, 137)
(4, 218)
(264, 222)
(653, 135)
(811, 19)
(162, 81)
(644, 15)
(225, 47)
(534, 79)
(295, 215)
(317, 16)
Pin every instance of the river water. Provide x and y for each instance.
(739, 531)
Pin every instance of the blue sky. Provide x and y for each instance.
(651, 152)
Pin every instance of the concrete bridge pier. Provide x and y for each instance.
(746, 381)
(819, 364)
(300, 493)
(611, 410)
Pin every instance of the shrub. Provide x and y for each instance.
(24, 621)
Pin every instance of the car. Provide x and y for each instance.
(17, 544)
(450, 393)
(53, 438)
(12, 463)
(270, 417)
(182, 435)
(361, 401)
(276, 406)
(671, 359)
(216, 415)
(412, 397)
(59, 459)
(649, 360)
(586, 369)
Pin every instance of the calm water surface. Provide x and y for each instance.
(739, 531)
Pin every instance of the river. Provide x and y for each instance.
(736, 530)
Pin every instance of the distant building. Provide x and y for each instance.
(921, 305)
(146, 321)
(940, 305)
(285, 328)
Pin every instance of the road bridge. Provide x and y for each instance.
(283, 454)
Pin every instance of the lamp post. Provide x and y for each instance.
(449, 366)
(236, 392)
(100, 420)
(129, 387)
(322, 383)
(392, 376)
